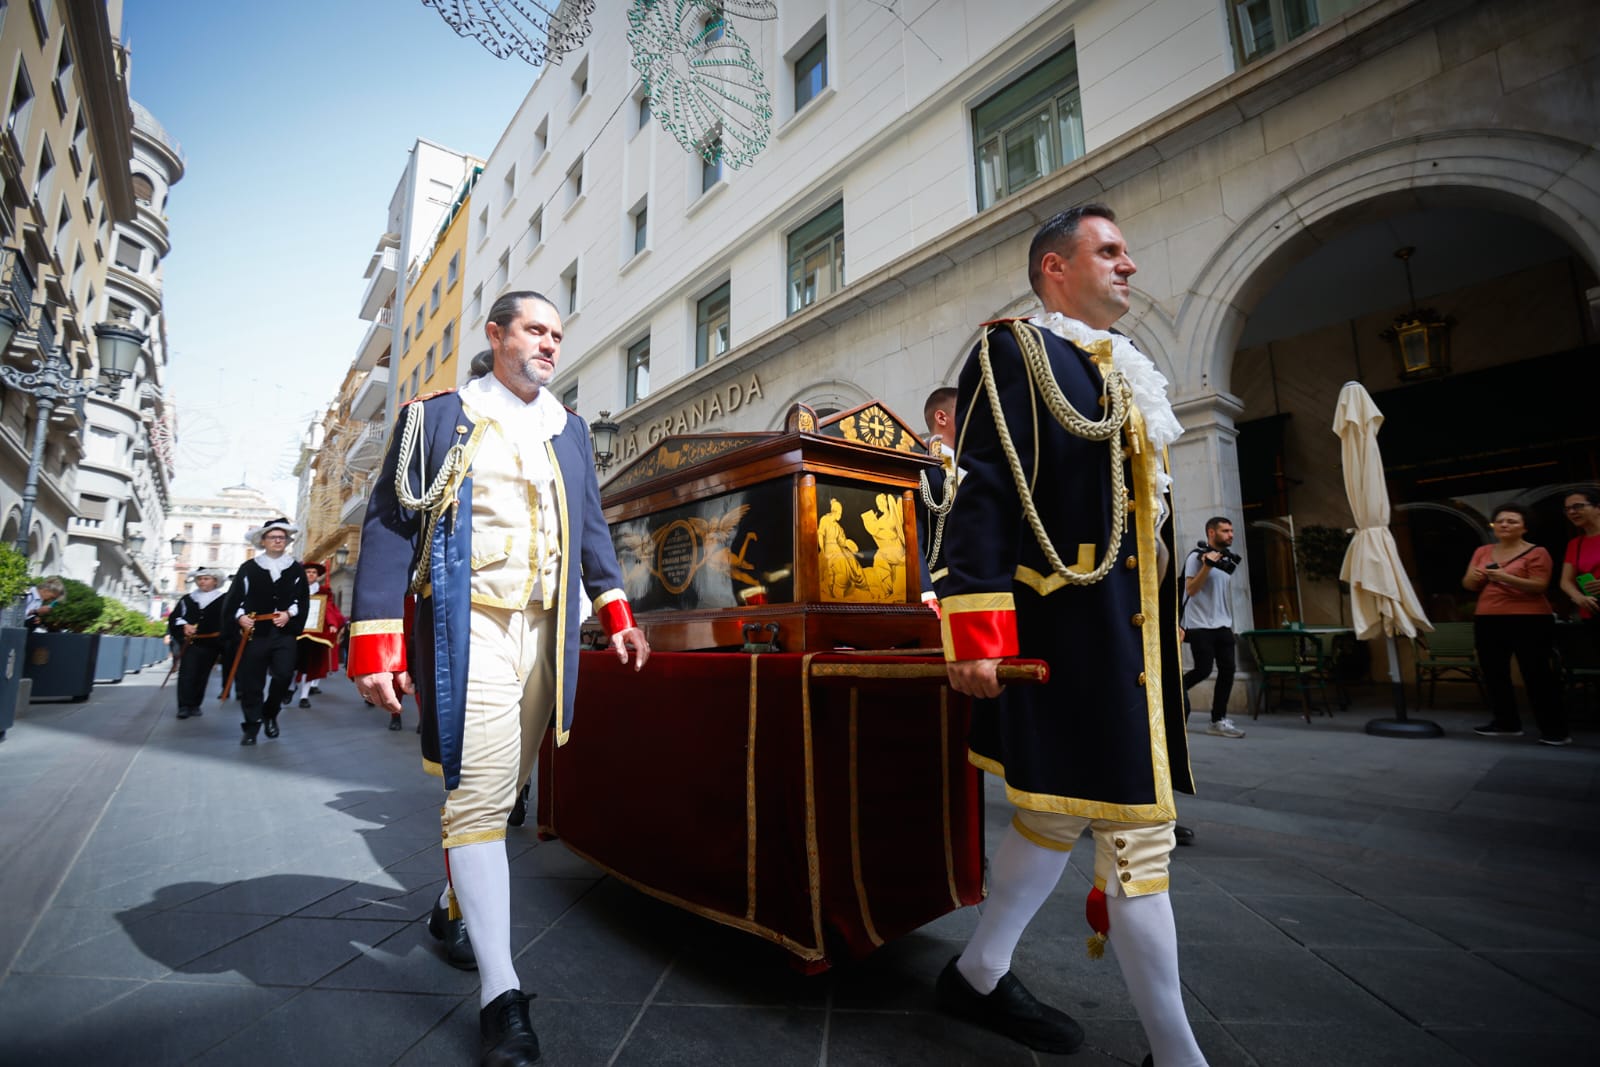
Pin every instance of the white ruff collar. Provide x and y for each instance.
(274, 567)
(204, 599)
(535, 421)
(1148, 384)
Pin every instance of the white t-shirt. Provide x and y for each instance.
(1209, 608)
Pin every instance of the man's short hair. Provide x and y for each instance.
(319, 568)
(506, 306)
(944, 396)
(1059, 234)
(1217, 520)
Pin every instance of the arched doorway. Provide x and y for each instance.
(1494, 425)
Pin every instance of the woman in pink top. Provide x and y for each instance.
(1513, 618)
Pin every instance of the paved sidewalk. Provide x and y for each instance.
(174, 898)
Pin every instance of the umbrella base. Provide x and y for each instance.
(1404, 728)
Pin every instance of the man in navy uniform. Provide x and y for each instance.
(1072, 567)
(488, 510)
(267, 604)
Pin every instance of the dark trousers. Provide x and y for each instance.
(194, 670)
(1212, 647)
(1530, 638)
(270, 651)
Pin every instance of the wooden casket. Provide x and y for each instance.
(790, 762)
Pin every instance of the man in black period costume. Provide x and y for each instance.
(1058, 548)
(933, 494)
(267, 603)
(195, 629)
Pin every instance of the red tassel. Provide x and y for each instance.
(1099, 919)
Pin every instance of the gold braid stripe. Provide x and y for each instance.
(1117, 395)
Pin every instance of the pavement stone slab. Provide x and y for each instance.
(1281, 985)
(676, 1035)
(1572, 976)
(333, 1026)
(1516, 1047)
(162, 1023)
(1338, 921)
(408, 961)
(1477, 924)
(1319, 1043)
(289, 952)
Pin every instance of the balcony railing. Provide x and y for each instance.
(376, 341)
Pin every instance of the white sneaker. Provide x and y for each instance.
(1224, 728)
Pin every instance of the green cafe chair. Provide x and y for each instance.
(1286, 656)
(1449, 649)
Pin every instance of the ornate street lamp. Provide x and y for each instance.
(51, 381)
(603, 433)
(341, 556)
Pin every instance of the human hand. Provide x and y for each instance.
(631, 640)
(189, 628)
(246, 623)
(975, 677)
(280, 618)
(384, 688)
(1211, 558)
(1589, 602)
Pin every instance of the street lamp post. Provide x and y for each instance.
(51, 382)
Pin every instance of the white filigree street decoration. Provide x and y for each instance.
(534, 31)
(705, 87)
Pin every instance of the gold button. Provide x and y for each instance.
(461, 429)
(1131, 562)
(1122, 863)
(1140, 679)
(1121, 843)
(1127, 877)
(1138, 618)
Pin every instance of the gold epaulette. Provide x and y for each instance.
(428, 396)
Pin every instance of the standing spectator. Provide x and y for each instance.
(41, 598)
(1208, 620)
(1513, 618)
(1580, 568)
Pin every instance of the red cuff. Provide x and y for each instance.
(978, 634)
(616, 616)
(374, 653)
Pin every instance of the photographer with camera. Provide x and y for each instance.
(1207, 616)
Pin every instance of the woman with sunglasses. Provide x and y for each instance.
(1581, 565)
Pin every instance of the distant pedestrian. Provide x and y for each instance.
(267, 602)
(317, 649)
(1580, 568)
(1208, 619)
(41, 599)
(195, 629)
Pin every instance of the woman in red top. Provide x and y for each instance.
(1583, 553)
(1513, 618)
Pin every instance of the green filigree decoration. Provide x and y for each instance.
(529, 29)
(705, 87)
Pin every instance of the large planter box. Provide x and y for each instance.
(111, 659)
(13, 646)
(61, 665)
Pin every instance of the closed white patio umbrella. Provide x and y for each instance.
(1382, 602)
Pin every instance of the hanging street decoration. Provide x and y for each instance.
(755, 10)
(534, 31)
(705, 87)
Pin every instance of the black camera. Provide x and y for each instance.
(1228, 563)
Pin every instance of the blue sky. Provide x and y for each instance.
(295, 119)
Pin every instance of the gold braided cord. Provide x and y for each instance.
(937, 510)
(435, 498)
(1117, 396)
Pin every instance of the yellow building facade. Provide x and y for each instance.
(428, 336)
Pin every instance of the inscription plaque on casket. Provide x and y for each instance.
(811, 528)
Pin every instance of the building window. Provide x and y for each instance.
(810, 74)
(569, 287)
(453, 272)
(580, 82)
(575, 182)
(1261, 26)
(213, 552)
(644, 112)
(483, 224)
(511, 184)
(641, 228)
(535, 230)
(638, 371)
(711, 163)
(541, 138)
(413, 382)
(502, 271)
(433, 300)
(447, 344)
(405, 340)
(21, 106)
(427, 363)
(569, 397)
(816, 258)
(216, 531)
(476, 306)
(129, 253)
(419, 322)
(1028, 129)
(188, 531)
(144, 190)
(711, 326)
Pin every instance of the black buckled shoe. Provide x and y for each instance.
(183, 713)
(453, 932)
(1010, 1010)
(505, 1032)
(271, 726)
(519, 810)
(305, 702)
(249, 729)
